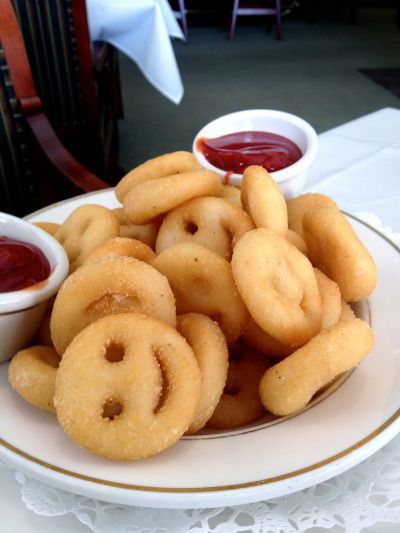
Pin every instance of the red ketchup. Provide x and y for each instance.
(236, 151)
(21, 265)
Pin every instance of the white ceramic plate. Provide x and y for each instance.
(254, 463)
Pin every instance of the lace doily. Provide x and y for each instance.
(361, 497)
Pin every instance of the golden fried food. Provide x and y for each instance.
(120, 246)
(146, 233)
(32, 374)
(240, 403)
(127, 387)
(211, 222)
(289, 385)
(259, 340)
(263, 200)
(86, 228)
(331, 300)
(297, 240)
(334, 248)
(232, 194)
(49, 227)
(211, 351)
(158, 167)
(297, 207)
(109, 286)
(347, 312)
(271, 274)
(158, 196)
(202, 282)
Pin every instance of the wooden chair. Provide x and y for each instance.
(36, 169)
(78, 82)
(243, 7)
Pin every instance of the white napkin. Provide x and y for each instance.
(141, 29)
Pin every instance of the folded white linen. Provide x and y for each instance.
(141, 29)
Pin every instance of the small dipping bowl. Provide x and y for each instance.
(21, 311)
(290, 179)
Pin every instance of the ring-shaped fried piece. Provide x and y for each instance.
(211, 222)
(158, 196)
(127, 387)
(202, 282)
(271, 273)
(86, 228)
(120, 246)
(109, 286)
(158, 167)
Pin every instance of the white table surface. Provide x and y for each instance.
(359, 165)
(141, 29)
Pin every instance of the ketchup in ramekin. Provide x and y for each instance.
(236, 151)
(22, 265)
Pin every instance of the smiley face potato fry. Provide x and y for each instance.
(289, 385)
(278, 285)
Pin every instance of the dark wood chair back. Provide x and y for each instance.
(35, 167)
(77, 80)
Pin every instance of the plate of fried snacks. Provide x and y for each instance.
(211, 345)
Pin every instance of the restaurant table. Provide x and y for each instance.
(358, 164)
(142, 29)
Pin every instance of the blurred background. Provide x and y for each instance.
(336, 61)
(108, 85)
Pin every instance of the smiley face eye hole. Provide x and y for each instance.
(191, 227)
(115, 352)
(112, 409)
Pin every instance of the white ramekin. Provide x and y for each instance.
(22, 311)
(290, 179)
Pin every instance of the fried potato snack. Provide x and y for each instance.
(259, 340)
(232, 194)
(120, 246)
(146, 233)
(109, 286)
(86, 228)
(289, 385)
(127, 387)
(271, 274)
(158, 196)
(49, 227)
(32, 374)
(211, 351)
(240, 403)
(202, 282)
(334, 248)
(211, 222)
(158, 167)
(297, 240)
(263, 200)
(297, 207)
(331, 300)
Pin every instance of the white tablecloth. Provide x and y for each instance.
(359, 165)
(142, 30)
